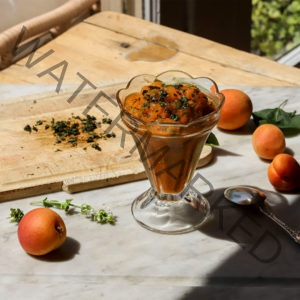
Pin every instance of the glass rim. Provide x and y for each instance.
(217, 96)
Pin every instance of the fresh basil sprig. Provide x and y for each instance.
(286, 121)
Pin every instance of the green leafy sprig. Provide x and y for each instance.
(100, 216)
(16, 214)
(286, 121)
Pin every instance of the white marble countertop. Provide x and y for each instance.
(125, 261)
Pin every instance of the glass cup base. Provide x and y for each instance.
(170, 216)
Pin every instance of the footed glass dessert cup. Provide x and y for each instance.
(168, 148)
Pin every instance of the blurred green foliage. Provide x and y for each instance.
(275, 26)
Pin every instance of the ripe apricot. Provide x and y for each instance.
(268, 141)
(284, 173)
(41, 230)
(236, 111)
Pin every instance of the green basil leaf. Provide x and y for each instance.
(212, 140)
(277, 116)
(295, 122)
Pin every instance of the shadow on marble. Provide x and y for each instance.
(266, 259)
(289, 151)
(67, 251)
(247, 129)
(218, 151)
(274, 290)
(245, 224)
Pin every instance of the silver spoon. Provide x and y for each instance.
(245, 195)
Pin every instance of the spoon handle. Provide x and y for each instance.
(294, 234)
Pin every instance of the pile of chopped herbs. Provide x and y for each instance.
(74, 130)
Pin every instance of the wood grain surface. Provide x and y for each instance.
(33, 163)
(110, 46)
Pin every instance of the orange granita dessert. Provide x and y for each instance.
(165, 103)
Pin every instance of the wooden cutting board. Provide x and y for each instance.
(34, 164)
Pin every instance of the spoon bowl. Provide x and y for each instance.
(246, 195)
